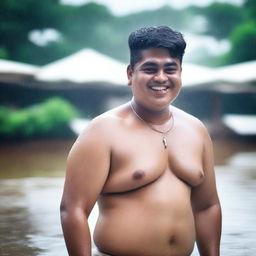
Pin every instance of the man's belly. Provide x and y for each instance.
(156, 220)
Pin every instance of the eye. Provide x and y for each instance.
(170, 70)
(150, 70)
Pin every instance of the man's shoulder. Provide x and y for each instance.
(188, 120)
(104, 124)
(110, 118)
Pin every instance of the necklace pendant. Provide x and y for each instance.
(165, 142)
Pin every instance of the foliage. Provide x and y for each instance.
(93, 25)
(237, 24)
(122, 26)
(48, 118)
(250, 6)
(18, 18)
(221, 18)
(243, 43)
(243, 37)
(88, 25)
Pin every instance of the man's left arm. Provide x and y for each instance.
(206, 206)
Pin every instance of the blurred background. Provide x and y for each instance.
(62, 62)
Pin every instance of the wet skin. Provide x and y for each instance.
(152, 200)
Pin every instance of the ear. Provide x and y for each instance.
(129, 75)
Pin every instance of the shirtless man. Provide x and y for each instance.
(148, 164)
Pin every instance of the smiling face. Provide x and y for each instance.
(155, 79)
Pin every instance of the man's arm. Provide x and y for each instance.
(206, 206)
(87, 170)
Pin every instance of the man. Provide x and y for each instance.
(148, 164)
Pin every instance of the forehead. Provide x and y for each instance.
(157, 55)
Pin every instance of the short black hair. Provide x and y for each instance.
(155, 37)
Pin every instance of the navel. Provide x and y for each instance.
(172, 239)
(137, 175)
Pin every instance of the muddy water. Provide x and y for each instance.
(31, 181)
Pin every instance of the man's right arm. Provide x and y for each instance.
(87, 170)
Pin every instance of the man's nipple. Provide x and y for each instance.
(137, 175)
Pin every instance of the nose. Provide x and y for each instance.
(160, 77)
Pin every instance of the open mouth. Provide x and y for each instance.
(159, 88)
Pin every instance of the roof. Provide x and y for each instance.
(235, 78)
(193, 74)
(13, 67)
(85, 66)
(237, 73)
(90, 66)
(241, 124)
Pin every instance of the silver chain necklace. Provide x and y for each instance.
(164, 133)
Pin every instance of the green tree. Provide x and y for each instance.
(120, 27)
(89, 25)
(243, 37)
(18, 18)
(250, 6)
(92, 25)
(80, 25)
(222, 18)
(49, 118)
(243, 40)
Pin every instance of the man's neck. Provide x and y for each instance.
(159, 117)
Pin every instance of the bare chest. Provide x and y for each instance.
(139, 158)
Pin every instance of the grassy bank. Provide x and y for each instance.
(49, 119)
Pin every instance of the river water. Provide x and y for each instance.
(31, 182)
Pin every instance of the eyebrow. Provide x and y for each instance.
(151, 63)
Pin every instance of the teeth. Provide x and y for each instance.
(158, 88)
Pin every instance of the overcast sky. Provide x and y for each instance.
(118, 7)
